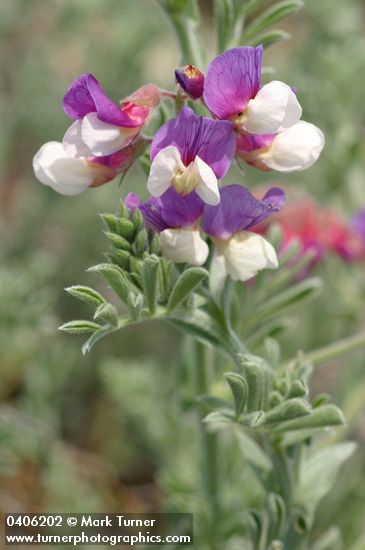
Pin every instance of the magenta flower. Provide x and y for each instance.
(191, 80)
(191, 153)
(232, 91)
(241, 253)
(175, 218)
(101, 127)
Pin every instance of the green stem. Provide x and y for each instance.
(209, 440)
(337, 349)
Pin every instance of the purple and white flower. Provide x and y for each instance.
(292, 150)
(175, 218)
(191, 153)
(232, 91)
(100, 126)
(241, 253)
(70, 175)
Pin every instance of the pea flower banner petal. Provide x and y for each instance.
(85, 95)
(232, 79)
(240, 210)
(101, 127)
(232, 91)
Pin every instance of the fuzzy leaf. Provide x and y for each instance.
(320, 472)
(186, 283)
(212, 403)
(259, 379)
(276, 514)
(126, 229)
(117, 240)
(307, 289)
(120, 258)
(270, 38)
(293, 408)
(79, 327)
(119, 283)
(239, 390)
(322, 417)
(269, 17)
(98, 335)
(111, 221)
(108, 312)
(219, 417)
(86, 294)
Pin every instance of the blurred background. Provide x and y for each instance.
(93, 433)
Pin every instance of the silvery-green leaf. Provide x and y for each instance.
(319, 473)
(79, 327)
(86, 294)
(186, 283)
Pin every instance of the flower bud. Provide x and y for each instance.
(191, 79)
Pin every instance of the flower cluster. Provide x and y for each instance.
(189, 155)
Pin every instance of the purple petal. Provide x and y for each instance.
(191, 79)
(247, 143)
(132, 202)
(85, 95)
(358, 224)
(232, 79)
(239, 210)
(212, 140)
(172, 210)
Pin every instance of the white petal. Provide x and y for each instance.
(66, 175)
(275, 106)
(164, 167)
(184, 245)
(295, 149)
(207, 188)
(104, 139)
(73, 143)
(246, 254)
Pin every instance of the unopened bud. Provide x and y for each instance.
(191, 79)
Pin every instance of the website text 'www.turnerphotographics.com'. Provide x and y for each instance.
(99, 529)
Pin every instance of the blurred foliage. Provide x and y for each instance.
(77, 433)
